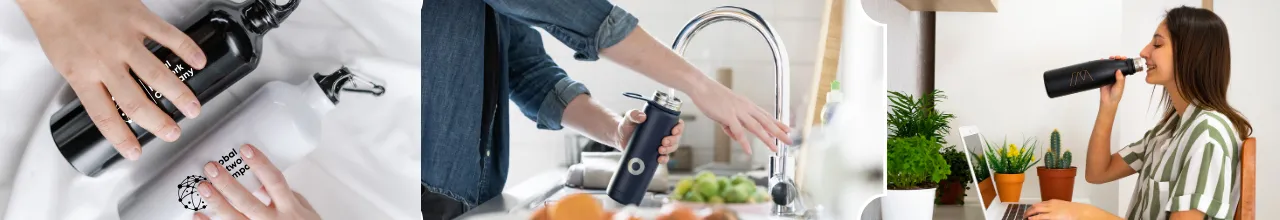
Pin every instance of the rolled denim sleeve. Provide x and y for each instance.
(538, 86)
(586, 26)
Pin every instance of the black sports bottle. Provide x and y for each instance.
(640, 160)
(230, 34)
(1088, 75)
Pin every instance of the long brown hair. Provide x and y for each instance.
(1202, 63)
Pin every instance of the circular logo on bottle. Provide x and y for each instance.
(188, 196)
(635, 166)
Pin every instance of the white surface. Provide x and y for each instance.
(908, 204)
(366, 167)
(282, 120)
(864, 60)
(1251, 24)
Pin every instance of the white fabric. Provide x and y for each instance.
(366, 167)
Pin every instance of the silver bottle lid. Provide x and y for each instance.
(1139, 64)
(667, 99)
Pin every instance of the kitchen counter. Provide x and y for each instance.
(519, 201)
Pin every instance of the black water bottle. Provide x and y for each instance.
(640, 160)
(229, 33)
(1088, 75)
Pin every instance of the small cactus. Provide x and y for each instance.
(1055, 158)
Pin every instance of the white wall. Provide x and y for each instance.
(1251, 25)
(729, 45)
(991, 65)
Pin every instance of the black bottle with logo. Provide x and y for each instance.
(640, 160)
(229, 33)
(1088, 75)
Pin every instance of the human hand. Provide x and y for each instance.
(633, 119)
(94, 44)
(737, 115)
(230, 200)
(1063, 210)
(1111, 93)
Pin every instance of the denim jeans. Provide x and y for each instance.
(457, 162)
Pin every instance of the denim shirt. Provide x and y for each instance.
(456, 161)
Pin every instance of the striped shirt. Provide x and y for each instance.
(1189, 162)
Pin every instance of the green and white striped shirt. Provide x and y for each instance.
(1189, 162)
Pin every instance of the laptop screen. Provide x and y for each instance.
(973, 146)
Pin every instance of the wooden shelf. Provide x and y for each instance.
(951, 5)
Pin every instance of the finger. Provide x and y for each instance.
(773, 128)
(1034, 210)
(170, 37)
(663, 159)
(668, 141)
(97, 102)
(235, 194)
(270, 176)
(735, 132)
(1119, 80)
(219, 203)
(129, 96)
(199, 216)
(679, 129)
(785, 128)
(754, 127)
(636, 116)
(161, 79)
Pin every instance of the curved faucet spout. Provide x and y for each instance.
(780, 181)
(782, 71)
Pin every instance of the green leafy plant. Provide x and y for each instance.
(980, 170)
(959, 172)
(915, 163)
(1055, 158)
(910, 117)
(1011, 159)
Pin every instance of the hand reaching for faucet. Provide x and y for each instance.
(642, 53)
(738, 115)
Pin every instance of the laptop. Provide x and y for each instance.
(972, 143)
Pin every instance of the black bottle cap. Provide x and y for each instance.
(265, 15)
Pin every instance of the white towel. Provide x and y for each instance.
(366, 168)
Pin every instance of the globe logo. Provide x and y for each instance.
(188, 196)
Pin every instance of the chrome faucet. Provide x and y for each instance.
(781, 183)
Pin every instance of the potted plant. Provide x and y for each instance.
(910, 117)
(985, 186)
(914, 169)
(915, 165)
(1010, 165)
(1057, 176)
(953, 189)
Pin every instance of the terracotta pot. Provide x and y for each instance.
(951, 192)
(1056, 183)
(988, 191)
(1009, 186)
